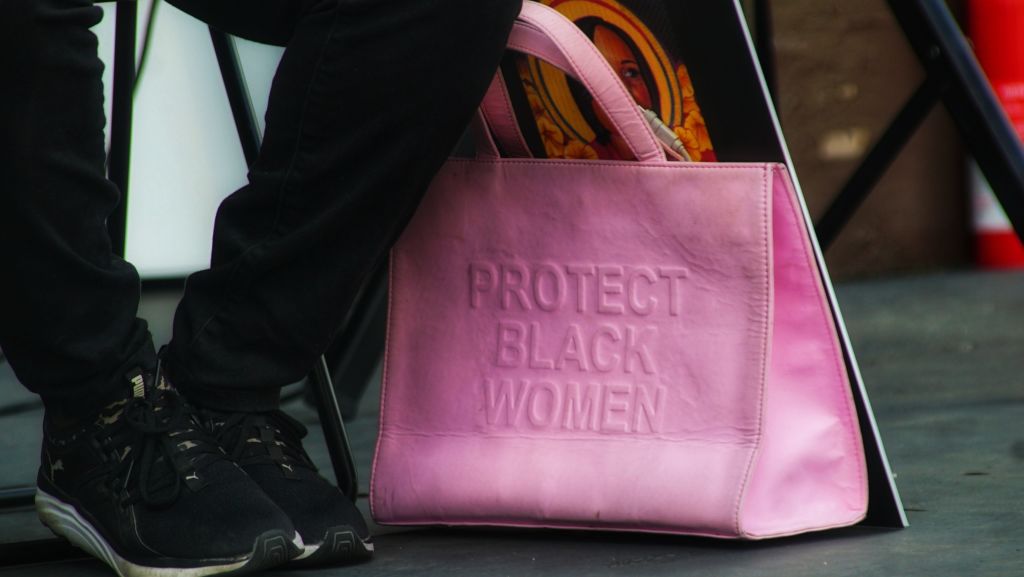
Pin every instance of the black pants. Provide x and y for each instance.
(370, 97)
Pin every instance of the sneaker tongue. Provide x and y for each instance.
(148, 386)
(138, 381)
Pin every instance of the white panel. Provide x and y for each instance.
(259, 62)
(185, 151)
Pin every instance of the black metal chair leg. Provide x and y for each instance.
(356, 351)
(238, 95)
(335, 434)
(119, 160)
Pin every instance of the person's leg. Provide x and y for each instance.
(369, 99)
(68, 305)
(125, 472)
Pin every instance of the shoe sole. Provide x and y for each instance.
(270, 549)
(340, 545)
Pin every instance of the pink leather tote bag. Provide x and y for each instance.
(637, 346)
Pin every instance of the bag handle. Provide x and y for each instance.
(498, 117)
(542, 32)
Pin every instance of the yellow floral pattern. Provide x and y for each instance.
(552, 135)
(576, 149)
(692, 132)
(556, 143)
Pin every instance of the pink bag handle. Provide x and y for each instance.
(500, 118)
(542, 32)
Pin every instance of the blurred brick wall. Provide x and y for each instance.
(844, 70)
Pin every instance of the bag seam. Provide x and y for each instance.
(615, 163)
(769, 310)
(385, 377)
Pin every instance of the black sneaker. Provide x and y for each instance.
(268, 446)
(146, 490)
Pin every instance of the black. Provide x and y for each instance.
(370, 97)
(141, 485)
(268, 447)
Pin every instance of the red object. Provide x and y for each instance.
(996, 29)
(998, 249)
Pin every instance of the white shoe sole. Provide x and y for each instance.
(340, 545)
(269, 550)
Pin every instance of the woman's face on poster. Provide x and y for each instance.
(624, 62)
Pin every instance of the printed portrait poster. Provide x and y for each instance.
(682, 60)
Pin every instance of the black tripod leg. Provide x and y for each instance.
(977, 112)
(879, 158)
(939, 43)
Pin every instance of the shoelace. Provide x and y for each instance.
(159, 436)
(263, 438)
